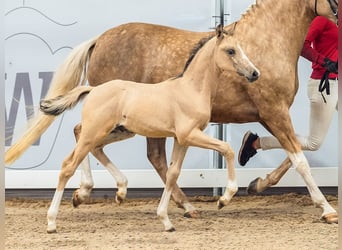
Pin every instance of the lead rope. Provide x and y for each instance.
(324, 85)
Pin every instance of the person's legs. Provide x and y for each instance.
(321, 114)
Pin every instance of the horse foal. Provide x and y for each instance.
(179, 108)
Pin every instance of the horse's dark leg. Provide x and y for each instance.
(259, 185)
(157, 156)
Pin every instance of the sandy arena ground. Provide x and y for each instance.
(250, 222)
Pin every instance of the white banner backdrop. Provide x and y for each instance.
(40, 34)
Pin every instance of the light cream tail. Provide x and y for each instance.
(69, 75)
(59, 104)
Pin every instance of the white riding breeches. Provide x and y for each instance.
(321, 114)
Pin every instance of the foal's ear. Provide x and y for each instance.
(230, 29)
(219, 31)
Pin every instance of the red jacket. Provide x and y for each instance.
(321, 42)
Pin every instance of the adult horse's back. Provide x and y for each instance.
(272, 33)
(141, 52)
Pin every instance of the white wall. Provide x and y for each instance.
(40, 34)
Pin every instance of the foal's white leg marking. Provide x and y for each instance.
(301, 164)
(162, 210)
(188, 207)
(87, 182)
(199, 139)
(120, 178)
(244, 56)
(121, 181)
(230, 191)
(172, 174)
(53, 211)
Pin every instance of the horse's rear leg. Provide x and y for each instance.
(87, 183)
(68, 169)
(83, 193)
(259, 185)
(157, 156)
(120, 178)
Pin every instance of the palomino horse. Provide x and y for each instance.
(184, 108)
(138, 52)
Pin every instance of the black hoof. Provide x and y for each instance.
(51, 231)
(172, 229)
(220, 205)
(252, 187)
(187, 215)
(75, 201)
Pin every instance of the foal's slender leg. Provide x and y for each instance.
(120, 178)
(172, 174)
(259, 185)
(157, 156)
(87, 183)
(68, 169)
(200, 139)
(83, 193)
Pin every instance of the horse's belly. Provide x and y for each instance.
(238, 114)
(148, 118)
(150, 126)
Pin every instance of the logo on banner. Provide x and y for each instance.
(29, 49)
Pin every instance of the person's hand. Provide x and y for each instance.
(330, 65)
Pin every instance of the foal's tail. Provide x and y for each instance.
(59, 104)
(68, 76)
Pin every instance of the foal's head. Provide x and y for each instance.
(231, 57)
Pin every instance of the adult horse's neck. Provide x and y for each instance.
(277, 27)
(272, 34)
